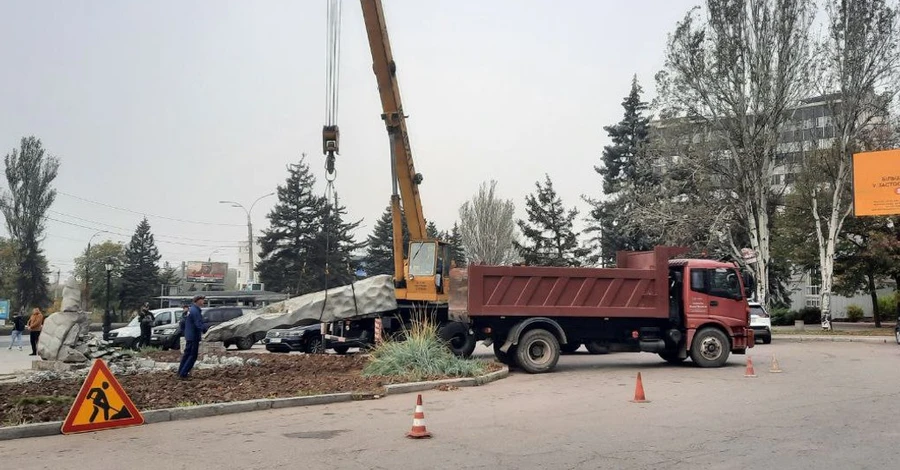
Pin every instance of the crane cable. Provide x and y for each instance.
(332, 80)
(332, 73)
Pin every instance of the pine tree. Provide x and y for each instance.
(551, 241)
(622, 171)
(335, 245)
(287, 246)
(432, 232)
(457, 251)
(380, 246)
(140, 275)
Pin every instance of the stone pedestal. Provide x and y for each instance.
(799, 325)
(211, 347)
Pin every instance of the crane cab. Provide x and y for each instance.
(426, 271)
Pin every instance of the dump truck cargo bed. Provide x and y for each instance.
(637, 288)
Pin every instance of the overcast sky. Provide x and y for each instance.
(164, 108)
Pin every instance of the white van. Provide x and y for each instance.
(129, 335)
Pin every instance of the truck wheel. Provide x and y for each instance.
(245, 343)
(341, 349)
(458, 338)
(507, 358)
(594, 347)
(672, 357)
(710, 348)
(569, 348)
(538, 351)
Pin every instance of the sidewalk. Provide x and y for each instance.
(847, 338)
(15, 360)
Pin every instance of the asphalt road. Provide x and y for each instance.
(833, 407)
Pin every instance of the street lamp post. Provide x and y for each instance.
(107, 317)
(249, 228)
(86, 302)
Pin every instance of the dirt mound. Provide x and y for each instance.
(275, 376)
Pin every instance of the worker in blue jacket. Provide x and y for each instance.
(194, 327)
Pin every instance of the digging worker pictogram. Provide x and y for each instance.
(98, 396)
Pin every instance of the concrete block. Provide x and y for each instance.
(312, 400)
(194, 412)
(156, 416)
(245, 406)
(30, 430)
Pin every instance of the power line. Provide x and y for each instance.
(146, 214)
(129, 236)
(156, 235)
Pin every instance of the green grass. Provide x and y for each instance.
(421, 356)
(44, 400)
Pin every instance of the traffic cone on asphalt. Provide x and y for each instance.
(418, 430)
(775, 369)
(750, 372)
(639, 391)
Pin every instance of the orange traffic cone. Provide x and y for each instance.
(639, 391)
(750, 372)
(418, 430)
(775, 369)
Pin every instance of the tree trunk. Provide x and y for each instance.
(870, 277)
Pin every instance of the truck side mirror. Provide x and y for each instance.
(749, 284)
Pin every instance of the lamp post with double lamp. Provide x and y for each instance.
(107, 316)
(249, 228)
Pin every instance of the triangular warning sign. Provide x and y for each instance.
(101, 404)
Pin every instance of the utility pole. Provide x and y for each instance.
(249, 230)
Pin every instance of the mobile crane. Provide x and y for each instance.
(420, 280)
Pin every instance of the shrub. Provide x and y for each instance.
(420, 356)
(887, 306)
(854, 313)
(782, 317)
(810, 315)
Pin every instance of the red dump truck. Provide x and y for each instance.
(651, 302)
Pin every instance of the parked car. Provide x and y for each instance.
(760, 322)
(308, 339)
(170, 336)
(129, 335)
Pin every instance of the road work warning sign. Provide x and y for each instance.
(101, 404)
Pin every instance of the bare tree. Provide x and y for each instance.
(738, 72)
(487, 227)
(860, 75)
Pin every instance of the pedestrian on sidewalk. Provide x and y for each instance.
(18, 327)
(35, 323)
(194, 326)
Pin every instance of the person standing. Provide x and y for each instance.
(35, 323)
(146, 321)
(18, 327)
(194, 326)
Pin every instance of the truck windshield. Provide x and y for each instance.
(421, 262)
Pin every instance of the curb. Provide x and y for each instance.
(218, 409)
(837, 339)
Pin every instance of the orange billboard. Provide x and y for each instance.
(876, 183)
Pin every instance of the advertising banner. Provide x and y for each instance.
(206, 272)
(876, 183)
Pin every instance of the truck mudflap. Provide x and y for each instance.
(742, 342)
